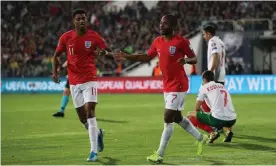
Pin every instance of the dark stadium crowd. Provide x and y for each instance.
(30, 30)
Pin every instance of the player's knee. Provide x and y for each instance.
(90, 110)
(193, 120)
(90, 115)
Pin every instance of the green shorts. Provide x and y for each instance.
(211, 121)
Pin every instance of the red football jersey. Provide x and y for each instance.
(80, 55)
(174, 76)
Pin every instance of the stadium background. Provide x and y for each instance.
(29, 35)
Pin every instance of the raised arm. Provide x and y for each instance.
(145, 57)
(136, 57)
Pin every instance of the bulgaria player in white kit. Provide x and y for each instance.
(216, 63)
(216, 53)
(218, 99)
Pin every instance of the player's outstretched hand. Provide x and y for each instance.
(55, 78)
(119, 56)
(100, 52)
(181, 61)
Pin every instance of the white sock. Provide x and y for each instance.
(166, 135)
(190, 128)
(85, 125)
(93, 133)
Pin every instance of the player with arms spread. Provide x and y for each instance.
(80, 45)
(171, 50)
(218, 99)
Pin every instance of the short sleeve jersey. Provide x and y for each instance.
(218, 99)
(80, 55)
(216, 45)
(174, 76)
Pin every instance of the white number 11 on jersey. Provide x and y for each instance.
(71, 51)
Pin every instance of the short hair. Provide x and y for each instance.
(210, 28)
(78, 11)
(208, 75)
(172, 19)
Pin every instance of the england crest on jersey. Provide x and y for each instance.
(87, 44)
(172, 50)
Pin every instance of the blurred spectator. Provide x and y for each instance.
(156, 70)
(239, 68)
(30, 29)
(118, 69)
(234, 67)
(231, 68)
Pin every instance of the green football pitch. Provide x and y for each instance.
(133, 125)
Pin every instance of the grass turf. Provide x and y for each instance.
(133, 125)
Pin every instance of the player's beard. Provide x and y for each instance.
(166, 32)
(163, 32)
(82, 29)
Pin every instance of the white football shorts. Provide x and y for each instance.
(174, 100)
(84, 93)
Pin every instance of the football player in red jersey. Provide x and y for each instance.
(171, 50)
(80, 45)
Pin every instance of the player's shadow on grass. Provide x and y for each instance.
(257, 138)
(111, 121)
(214, 162)
(248, 146)
(164, 163)
(110, 161)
